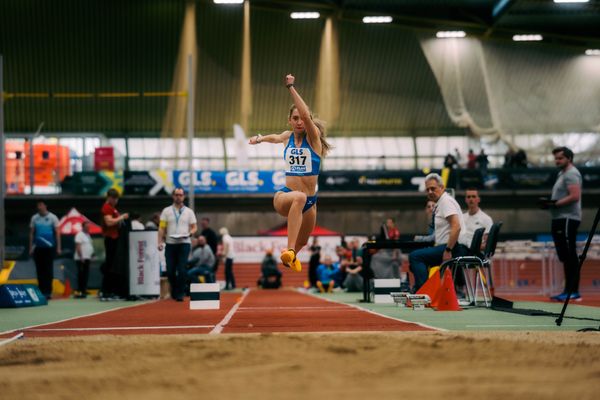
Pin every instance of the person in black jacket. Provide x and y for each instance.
(271, 276)
(313, 263)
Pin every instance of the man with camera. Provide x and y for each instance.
(565, 207)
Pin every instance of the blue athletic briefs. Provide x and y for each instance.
(310, 200)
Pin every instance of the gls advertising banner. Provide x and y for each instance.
(157, 182)
(231, 181)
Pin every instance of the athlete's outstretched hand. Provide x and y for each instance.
(254, 139)
(289, 79)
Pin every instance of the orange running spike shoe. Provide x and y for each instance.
(297, 265)
(288, 258)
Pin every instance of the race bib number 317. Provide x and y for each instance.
(298, 160)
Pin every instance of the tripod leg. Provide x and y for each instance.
(367, 276)
(581, 260)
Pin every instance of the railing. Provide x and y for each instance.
(532, 268)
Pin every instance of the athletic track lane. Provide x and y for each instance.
(259, 311)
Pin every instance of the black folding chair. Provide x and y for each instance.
(477, 261)
(462, 265)
(489, 251)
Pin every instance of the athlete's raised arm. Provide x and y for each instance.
(272, 138)
(312, 131)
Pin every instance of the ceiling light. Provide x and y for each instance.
(527, 38)
(304, 15)
(571, 1)
(450, 34)
(228, 1)
(592, 52)
(383, 19)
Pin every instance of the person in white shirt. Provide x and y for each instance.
(136, 223)
(84, 250)
(227, 255)
(448, 225)
(475, 218)
(177, 225)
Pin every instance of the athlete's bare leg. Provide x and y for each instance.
(290, 205)
(309, 218)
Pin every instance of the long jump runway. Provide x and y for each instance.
(254, 311)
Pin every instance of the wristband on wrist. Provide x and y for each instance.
(289, 85)
(448, 249)
(258, 138)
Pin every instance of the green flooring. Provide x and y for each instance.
(482, 319)
(471, 319)
(56, 310)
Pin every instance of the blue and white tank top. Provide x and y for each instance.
(301, 161)
(44, 229)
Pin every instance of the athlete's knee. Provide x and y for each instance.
(299, 198)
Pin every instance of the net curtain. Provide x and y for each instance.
(501, 90)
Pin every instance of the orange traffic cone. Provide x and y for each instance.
(432, 288)
(447, 294)
(68, 290)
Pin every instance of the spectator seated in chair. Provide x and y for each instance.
(271, 276)
(449, 229)
(385, 263)
(201, 265)
(353, 282)
(326, 274)
(350, 275)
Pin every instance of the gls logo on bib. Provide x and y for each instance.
(298, 160)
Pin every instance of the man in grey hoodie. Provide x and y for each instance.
(202, 262)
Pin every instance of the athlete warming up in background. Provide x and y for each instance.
(305, 145)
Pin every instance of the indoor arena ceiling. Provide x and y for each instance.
(84, 50)
(566, 22)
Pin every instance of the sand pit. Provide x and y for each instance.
(536, 365)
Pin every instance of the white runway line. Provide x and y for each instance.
(521, 326)
(79, 316)
(322, 310)
(295, 308)
(12, 339)
(219, 327)
(374, 312)
(120, 328)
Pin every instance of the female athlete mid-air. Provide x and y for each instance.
(305, 146)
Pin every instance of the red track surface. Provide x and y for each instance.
(260, 311)
(291, 311)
